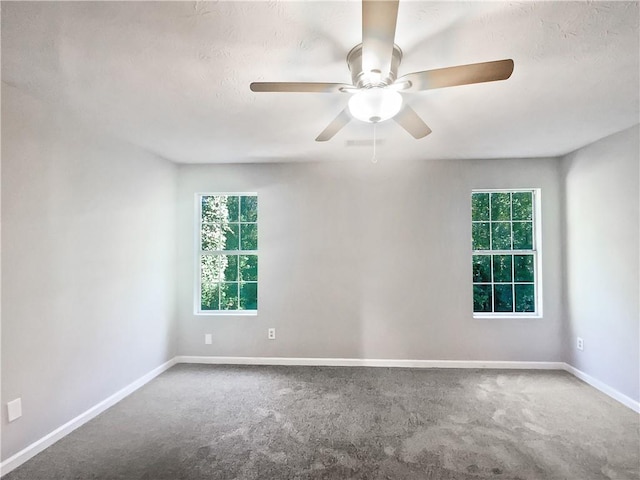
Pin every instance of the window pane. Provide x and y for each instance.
(231, 234)
(229, 296)
(504, 298)
(481, 268)
(522, 206)
(249, 267)
(249, 236)
(522, 235)
(214, 208)
(500, 206)
(205, 208)
(211, 267)
(480, 235)
(523, 267)
(232, 206)
(525, 298)
(482, 298)
(249, 208)
(209, 295)
(480, 206)
(230, 273)
(502, 268)
(249, 296)
(501, 236)
(212, 237)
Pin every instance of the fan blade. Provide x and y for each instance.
(460, 75)
(408, 119)
(335, 126)
(378, 32)
(305, 87)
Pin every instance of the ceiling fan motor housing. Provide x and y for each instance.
(363, 79)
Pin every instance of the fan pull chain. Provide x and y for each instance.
(374, 159)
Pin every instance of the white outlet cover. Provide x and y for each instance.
(208, 338)
(580, 344)
(14, 409)
(272, 334)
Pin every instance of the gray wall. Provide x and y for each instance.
(602, 258)
(88, 259)
(370, 261)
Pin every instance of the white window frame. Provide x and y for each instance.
(536, 251)
(198, 252)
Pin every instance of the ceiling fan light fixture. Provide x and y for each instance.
(375, 104)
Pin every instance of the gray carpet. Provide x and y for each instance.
(232, 422)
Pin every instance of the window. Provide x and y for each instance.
(227, 280)
(505, 253)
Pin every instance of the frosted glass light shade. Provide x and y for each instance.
(375, 104)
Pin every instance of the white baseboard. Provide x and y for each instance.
(38, 446)
(358, 362)
(604, 388)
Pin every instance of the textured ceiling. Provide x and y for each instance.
(173, 77)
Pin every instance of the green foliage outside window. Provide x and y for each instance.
(228, 252)
(503, 265)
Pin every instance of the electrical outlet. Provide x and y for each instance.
(580, 344)
(14, 409)
(271, 334)
(208, 339)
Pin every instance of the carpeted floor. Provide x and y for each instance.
(233, 422)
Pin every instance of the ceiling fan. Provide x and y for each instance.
(374, 74)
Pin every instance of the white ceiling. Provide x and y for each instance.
(173, 77)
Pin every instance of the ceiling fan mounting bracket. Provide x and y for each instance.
(362, 79)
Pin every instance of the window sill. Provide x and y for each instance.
(230, 313)
(507, 316)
